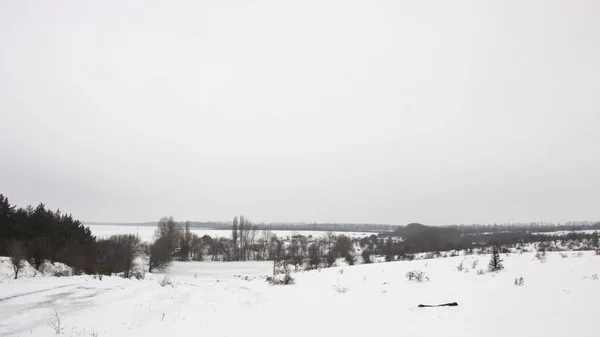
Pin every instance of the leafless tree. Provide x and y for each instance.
(16, 250)
(234, 238)
(167, 228)
(160, 255)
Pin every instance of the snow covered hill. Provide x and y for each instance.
(558, 298)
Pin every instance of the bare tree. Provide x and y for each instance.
(343, 246)
(160, 255)
(167, 228)
(185, 245)
(234, 238)
(329, 239)
(242, 238)
(16, 250)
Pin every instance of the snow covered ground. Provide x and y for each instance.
(146, 233)
(557, 233)
(559, 298)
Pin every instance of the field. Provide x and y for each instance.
(146, 233)
(558, 298)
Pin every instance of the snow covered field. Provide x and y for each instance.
(146, 233)
(558, 298)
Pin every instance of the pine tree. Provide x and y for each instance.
(495, 261)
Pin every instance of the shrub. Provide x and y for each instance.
(366, 256)
(480, 272)
(165, 281)
(287, 279)
(541, 256)
(519, 281)
(564, 255)
(416, 276)
(460, 267)
(349, 259)
(474, 264)
(56, 324)
(330, 259)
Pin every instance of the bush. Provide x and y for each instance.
(460, 267)
(117, 254)
(366, 256)
(480, 272)
(330, 259)
(287, 279)
(416, 276)
(519, 281)
(474, 264)
(56, 324)
(564, 255)
(541, 256)
(349, 259)
(165, 281)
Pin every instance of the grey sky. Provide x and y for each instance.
(327, 111)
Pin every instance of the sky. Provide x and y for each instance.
(438, 112)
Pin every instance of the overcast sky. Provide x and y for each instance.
(330, 111)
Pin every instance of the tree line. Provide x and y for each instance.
(39, 235)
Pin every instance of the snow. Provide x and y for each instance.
(146, 233)
(560, 233)
(559, 298)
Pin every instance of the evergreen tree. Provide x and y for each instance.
(496, 261)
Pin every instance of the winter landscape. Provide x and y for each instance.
(279, 168)
(559, 297)
(332, 284)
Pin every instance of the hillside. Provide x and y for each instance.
(208, 299)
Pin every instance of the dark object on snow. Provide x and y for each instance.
(452, 304)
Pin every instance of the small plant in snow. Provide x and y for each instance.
(340, 289)
(56, 323)
(564, 255)
(416, 276)
(460, 267)
(541, 256)
(480, 272)
(594, 277)
(165, 281)
(474, 264)
(519, 281)
(578, 254)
